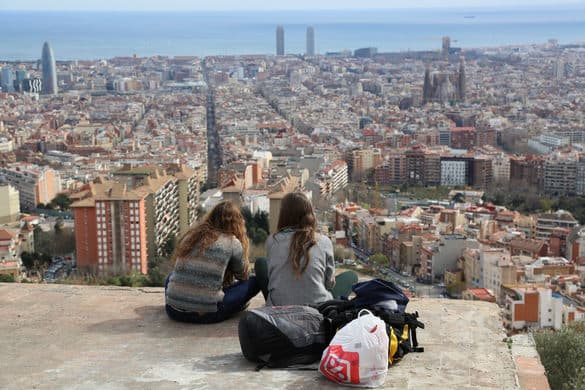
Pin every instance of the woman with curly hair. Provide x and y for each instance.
(300, 268)
(209, 258)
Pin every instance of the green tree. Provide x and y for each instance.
(28, 259)
(62, 201)
(379, 259)
(545, 204)
(168, 246)
(458, 198)
(156, 278)
(261, 220)
(7, 278)
(562, 354)
(259, 236)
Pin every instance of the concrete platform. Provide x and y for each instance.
(80, 337)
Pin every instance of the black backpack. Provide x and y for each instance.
(283, 336)
(375, 296)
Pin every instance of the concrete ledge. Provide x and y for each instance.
(79, 337)
(531, 374)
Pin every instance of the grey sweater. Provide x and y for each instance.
(312, 286)
(195, 285)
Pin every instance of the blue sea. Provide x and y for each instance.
(95, 35)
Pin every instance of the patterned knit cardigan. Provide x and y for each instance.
(195, 285)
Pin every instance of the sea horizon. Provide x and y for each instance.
(92, 35)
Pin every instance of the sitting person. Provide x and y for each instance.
(300, 269)
(209, 256)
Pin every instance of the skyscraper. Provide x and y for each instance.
(279, 41)
(49, 70)
(310, 41)
(446, 48)
(7, 79)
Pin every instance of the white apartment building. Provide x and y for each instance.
(35, 184)
(333, 178)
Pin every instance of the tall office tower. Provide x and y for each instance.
(49, 70)
(279, 41)
(461, 84)
(7, 79)
(310, 41)
(446, 48)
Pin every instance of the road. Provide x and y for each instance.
(420, 289)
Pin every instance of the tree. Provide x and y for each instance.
(168, 246)
(256, 225)
(562, 354)
(62, 201)
(545, 204)
(259, 236)
(28, 259)
(7, 278)
(379, 259)
(261, 220)
(458, 198)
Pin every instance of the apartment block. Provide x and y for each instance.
(332, 178)
(35, 184)
(162, 203)
(188, 188)
(560, 173)
(363, 161)
(111, 228)
(547, 222)
(392, 171)
(531, 307)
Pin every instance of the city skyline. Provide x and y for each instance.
(254, 5)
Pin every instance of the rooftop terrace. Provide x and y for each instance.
(77, 337)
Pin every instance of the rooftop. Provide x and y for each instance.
(61, 336)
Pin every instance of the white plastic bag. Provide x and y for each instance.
(358, 353)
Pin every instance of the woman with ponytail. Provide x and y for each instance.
(301, 268)
(209, 258)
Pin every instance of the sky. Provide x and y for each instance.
(174, 5)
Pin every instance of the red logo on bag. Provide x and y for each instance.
(341, 366)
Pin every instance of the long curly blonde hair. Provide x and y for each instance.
(296, 212)
(224, 218)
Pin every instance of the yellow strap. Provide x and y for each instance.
(404, 333)
(393, 346)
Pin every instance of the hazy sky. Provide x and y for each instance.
(269, 4)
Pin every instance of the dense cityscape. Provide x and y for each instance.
(457, 173)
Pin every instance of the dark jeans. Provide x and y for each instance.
(342, 288)
(235, 300)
